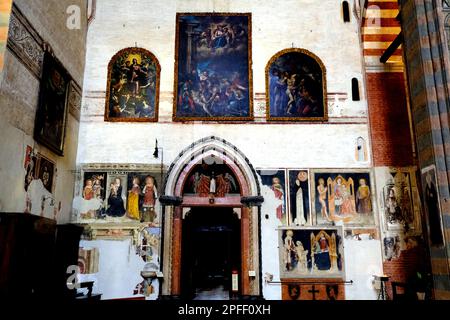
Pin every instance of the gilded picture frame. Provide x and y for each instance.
(238, 105)
(307, 109)
(132, 92)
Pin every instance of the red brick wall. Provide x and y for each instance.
(405, 266)
(389, 122)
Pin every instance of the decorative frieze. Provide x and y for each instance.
(25, 43)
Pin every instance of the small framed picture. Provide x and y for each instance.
(46, 172)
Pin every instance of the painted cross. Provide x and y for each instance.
(313, 291)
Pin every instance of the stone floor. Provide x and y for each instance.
(216, 293)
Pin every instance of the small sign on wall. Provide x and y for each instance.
(235, 281)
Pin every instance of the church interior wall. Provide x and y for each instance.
(264, 144)
(363, 147)
(19, 92)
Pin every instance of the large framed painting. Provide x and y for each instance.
(307, 252)
(275, 179)
(343, 197)
(432, 206)
(51, 115)
(299, 204)
(296, 87)
(213, 77)
(132, 93)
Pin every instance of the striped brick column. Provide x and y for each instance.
(5, 12)
(427, 61)
(390, 129)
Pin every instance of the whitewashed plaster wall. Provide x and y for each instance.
(363, 260)
(119, 269)
(314, 25)
(276, 25)
(19, 91)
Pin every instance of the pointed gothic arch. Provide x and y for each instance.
(176, 205)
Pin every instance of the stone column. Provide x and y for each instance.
(427, 62)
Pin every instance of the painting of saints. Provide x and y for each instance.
(363, 198)
(278, 190)
(150, 195)
(98, 188)
(322, 257)
(91, 204)
(289, 249)
(88, 192)
(299, 197)
(133, 86)
(275, 181)
(343, 199)
(307, 252)
(296, 88)
(133, 200)
(338, 199)
(393, 210)
(302, 257)
(115, 202)
(212, 69)
(322, 192)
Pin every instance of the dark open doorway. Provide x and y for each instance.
(211, 251)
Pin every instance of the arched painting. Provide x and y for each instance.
(296, 87)
(133, 86)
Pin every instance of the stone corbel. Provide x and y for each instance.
(170, 200)
(252, 201)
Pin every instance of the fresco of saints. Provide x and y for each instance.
(115, 201)
(363, 198)
(277, 189)
(343, 199)
(150, 196)
(322, 257)
(133, 199)
(322, 190)
(302, 259)
(393, 210)
(289, 249)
